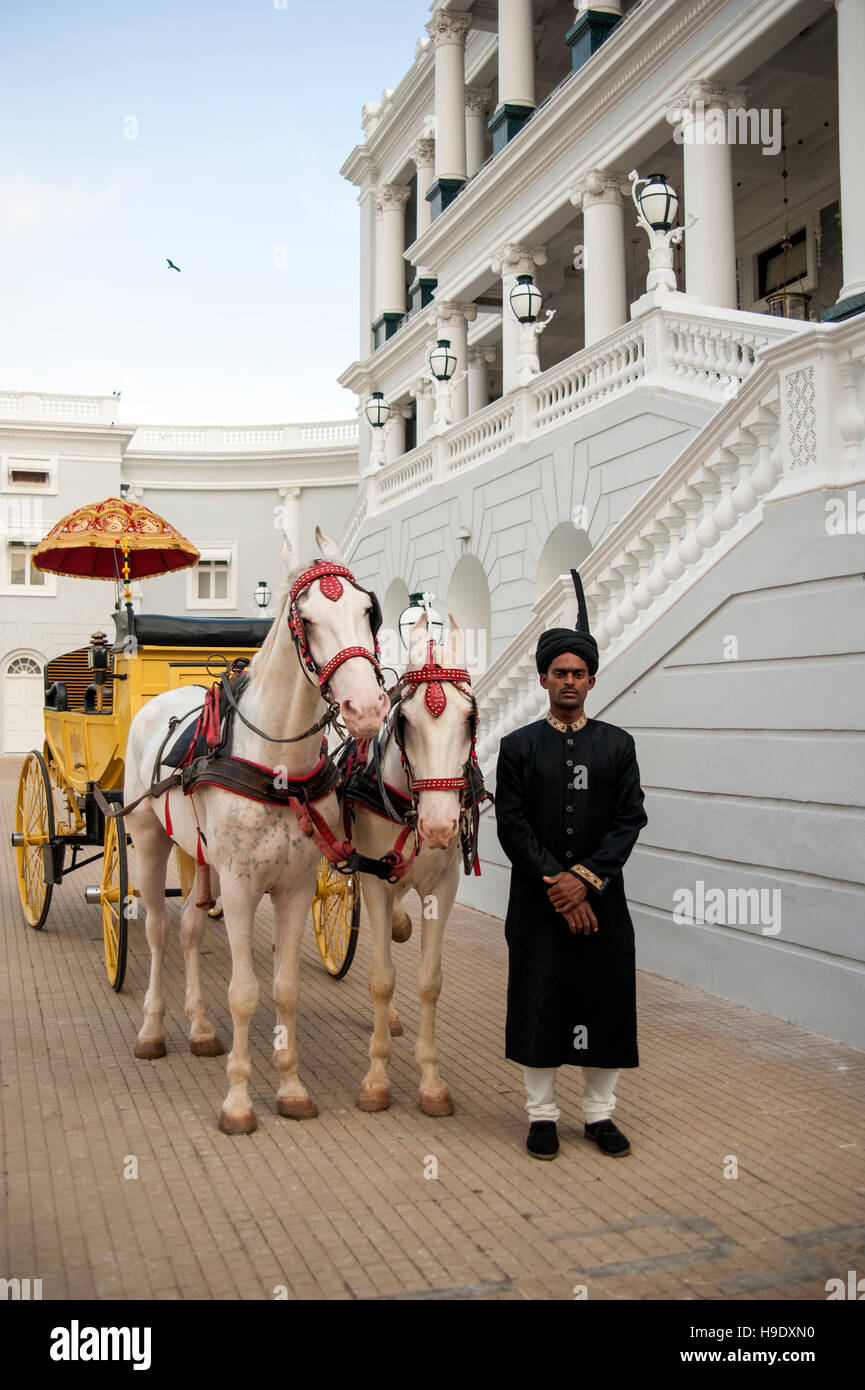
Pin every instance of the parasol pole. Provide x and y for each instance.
(127, 591)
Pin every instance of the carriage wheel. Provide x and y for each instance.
(336, 917)
(115, 896)
(34, 827)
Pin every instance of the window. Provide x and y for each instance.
(29, 474)
(213, 581)
(19, 576)
(770, 263)
(23, 666)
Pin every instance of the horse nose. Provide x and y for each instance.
(356, 712)
(438, 834)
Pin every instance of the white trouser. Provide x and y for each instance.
(598, 1101)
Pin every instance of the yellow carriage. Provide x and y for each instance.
(91, 697)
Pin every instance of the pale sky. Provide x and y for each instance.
(243, 114)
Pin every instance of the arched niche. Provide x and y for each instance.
(566, 548)
(469, 601)
(393, 601)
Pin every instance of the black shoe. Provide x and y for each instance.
(543, 1140)
(608, 1138)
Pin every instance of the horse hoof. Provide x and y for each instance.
(297, 1107)
(394, 1026)
(206, 1047)
(245, 1123)
(148, 1049)
(374, 1097)
(437, 1103)
(400, 925)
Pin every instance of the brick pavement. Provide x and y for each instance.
(339, 1207)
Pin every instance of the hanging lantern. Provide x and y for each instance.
(262, 593)
(443, 360)
(419, 604)
(659, 203)
(786, 303)
(377, 410)
(526, 299)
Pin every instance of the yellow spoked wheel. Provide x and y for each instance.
(336, 917)
(116, 899)
(34, 829)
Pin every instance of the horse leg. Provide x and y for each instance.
(153, 848)
(400, 931)
(203, 1041)
(375, 1087)
(289, 911)
(435, 1098)
(238, 1116)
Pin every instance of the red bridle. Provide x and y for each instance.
(328, 576)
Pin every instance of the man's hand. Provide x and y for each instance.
(566, 890)
(567, 893)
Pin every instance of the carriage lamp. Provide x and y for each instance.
(442, 360)
(262, 593)
(418, 604)
(526, 299)
(657, 202)
(377, 410)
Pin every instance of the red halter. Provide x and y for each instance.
(328, 576)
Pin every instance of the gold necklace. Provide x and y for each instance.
(567, 728)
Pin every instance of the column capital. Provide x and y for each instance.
(599, 186)
(445, 27)
(451, 312)
(478, 100)
(514, 259)
(423, 153)
(481, 356)
(392, 196)
(705, 95)
(292, 494)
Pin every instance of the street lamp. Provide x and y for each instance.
(418, 605)
(657, 204)
(262, 593)
(443, 360)
(526, 299)
(377, 412)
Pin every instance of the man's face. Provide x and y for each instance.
(568, 682)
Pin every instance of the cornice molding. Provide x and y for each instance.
(110, 435)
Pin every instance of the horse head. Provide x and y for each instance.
(334, 622)
(437, 725)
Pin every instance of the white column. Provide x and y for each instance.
(423, 156)
(423, 392)
(477, 106)
(516, 53)
(510, 262)
(710, 246)
(291, 516)
(452, 321)
(480, 360)
(448, 32)
(378, 260)
(851, 141)
(394, 435)
(599, 193)
(366, 200)
(393, 198)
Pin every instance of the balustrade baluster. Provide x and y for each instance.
(671, 518)
(724, 465)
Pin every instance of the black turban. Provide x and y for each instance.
(558, 640)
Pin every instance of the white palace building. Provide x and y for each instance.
(543, 382)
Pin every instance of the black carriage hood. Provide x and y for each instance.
(163, 630)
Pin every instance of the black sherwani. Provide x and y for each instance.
(548, 821)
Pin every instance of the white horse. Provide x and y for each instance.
(255, 847)
(437, 748)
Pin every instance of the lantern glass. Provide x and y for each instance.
(377, 410)
(419, 604)
(526, 299)
(443, 360)
(659, 203)
(262, 593)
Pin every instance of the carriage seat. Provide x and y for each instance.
(163, 630)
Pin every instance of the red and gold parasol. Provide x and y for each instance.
(115, 539)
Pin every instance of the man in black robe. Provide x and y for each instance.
(569, 808)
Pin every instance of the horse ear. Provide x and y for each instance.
(417, 643)
(328, 548)
(454, 650)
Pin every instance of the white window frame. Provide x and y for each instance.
(227, 553)
(46, 464)
(7, 588)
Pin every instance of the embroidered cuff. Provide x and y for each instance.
(599, 884)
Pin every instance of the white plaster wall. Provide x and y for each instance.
(754, 773)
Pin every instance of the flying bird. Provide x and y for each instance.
(172, 266)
